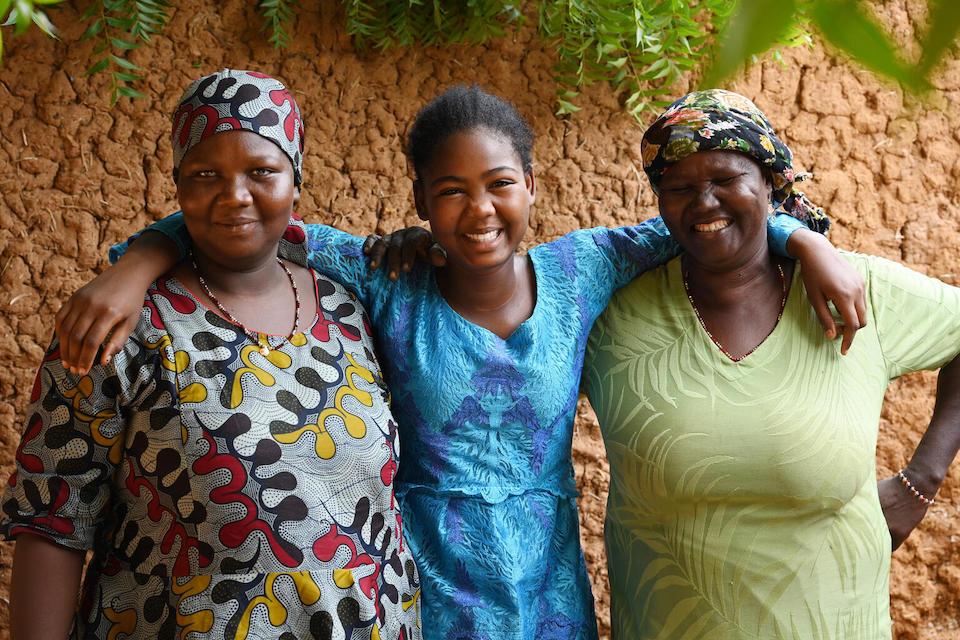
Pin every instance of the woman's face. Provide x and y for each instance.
(477, 198)
(236, 190)
(715, 204)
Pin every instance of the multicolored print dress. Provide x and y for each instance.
(225, 494)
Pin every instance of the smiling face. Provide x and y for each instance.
(477, 198)
(236, 190)
(715, 204)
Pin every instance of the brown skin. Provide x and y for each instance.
(477, 197)
(237, 193)
(43, 590)
(736, 288)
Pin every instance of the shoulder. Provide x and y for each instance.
(650, 293)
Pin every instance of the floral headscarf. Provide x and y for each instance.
(230, 100)
(718, 120)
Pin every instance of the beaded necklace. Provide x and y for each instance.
(783, 305)
(259, 339)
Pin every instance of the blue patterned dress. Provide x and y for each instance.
(486, 483)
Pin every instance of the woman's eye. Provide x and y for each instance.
(205, 173)
(263, 171)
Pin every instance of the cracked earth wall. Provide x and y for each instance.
(77, 174)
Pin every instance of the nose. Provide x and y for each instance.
(481, 205)
(236, 192)
(704, 198)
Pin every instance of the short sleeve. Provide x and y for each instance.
(917, 317)
(629, 251)
(172, 226)
(779, 229)
(339, 256)
(70, 447)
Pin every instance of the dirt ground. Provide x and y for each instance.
(77, 174)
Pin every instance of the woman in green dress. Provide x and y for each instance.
(743, 494)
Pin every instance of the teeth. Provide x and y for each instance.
(716, 225)
(489, 236)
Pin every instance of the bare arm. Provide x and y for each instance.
(43, 592)
(105, 310)
(828, 277)
(930, 462)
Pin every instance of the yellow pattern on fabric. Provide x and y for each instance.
(267, 380)
(325, 446)
(200, 621)
(124, 622)
(80, 394)
(343, 578)
(307, 590)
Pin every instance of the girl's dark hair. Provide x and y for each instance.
(461, 108)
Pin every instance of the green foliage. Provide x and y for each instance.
(641, 48)
(847, 25)
(403, 23)
(20, 14)
(279, 15)
(118, 27)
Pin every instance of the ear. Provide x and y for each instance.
(531, 182)
(419, 200)
(296, 197)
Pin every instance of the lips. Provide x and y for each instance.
(483, 236)
(712, 226)
(239, 225)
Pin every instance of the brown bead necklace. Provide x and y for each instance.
(783, 305)
(259, 339)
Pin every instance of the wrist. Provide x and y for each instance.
(926, 478)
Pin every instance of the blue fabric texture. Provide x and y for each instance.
(486, 482)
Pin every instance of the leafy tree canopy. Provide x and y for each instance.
(641, 48)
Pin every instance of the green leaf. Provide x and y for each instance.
(126, 77)
(755, 27)
(126, 64)
(91, 31)
(122, 44)
(22, 10)
(844, 25)
(944, 21)
(97, 67)
(4, 7)
(127, 92)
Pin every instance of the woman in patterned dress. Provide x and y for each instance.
(744, 500)
(232, 466)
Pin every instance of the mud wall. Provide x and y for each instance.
(77, 174)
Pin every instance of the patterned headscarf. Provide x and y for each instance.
(718, 120)
(230, 100)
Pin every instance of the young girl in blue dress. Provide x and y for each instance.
(483, 358)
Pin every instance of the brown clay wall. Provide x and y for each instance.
(77, 174)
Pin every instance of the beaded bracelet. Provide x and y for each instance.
(909, 485)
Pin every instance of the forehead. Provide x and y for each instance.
(706, 164)
(234, 145)
(472, 149)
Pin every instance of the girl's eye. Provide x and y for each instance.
(451, 191)
(503, 182)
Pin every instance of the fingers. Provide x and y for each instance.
(89, 345)
(409, 251)
(73, 339)
(851, 323)
(117, 337)
(437, 255)
(395, 254)
(860, 304)
(819, 303)
(375, 247)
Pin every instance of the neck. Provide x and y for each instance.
(725, 287)
(260, 277)
(486, 291)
